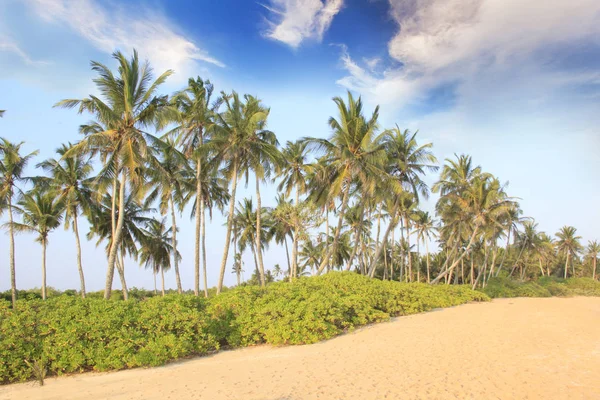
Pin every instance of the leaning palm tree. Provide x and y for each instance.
(245, 224)
(568, 243)
(42, 212)
(70, 181)
(353, 154)
(593, 251)
(236, 145)
(195, 117)
(12, 166)
(156, 249)
(128, 106)
(167, 175)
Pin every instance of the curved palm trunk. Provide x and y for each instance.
(115, 239)
(79, 266)
(203, 240)
(338, 230)
(44, 269)
(229, 226)
(121, 270)
(504, 255)
(13, 279)
(378, 251)
(175, 261)
(257, 245)
(458, 260)
(198, 223)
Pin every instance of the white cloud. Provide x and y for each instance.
(477, 43)
(9, 45)
(119, 28)
(298, 20)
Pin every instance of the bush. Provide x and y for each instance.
(505, 287)
(67, 334)
(544, 287)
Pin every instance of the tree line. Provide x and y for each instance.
(341, 201)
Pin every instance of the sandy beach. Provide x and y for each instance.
(508, 349)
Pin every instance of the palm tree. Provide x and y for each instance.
(195, 119)
(568, 243)
(167, 175)
(245, 224)
(69, 179)
(294, 172)
(237, 144)
(157, 248)
(128, 106)
(280, 229)
(593, 250)
(353, 154)
(12, 167)
(238, 267)
(425, 229)
(42, 212)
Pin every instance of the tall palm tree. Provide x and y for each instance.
(245, 224)
(12, 167)
(353, 154)
(280, 229)
(70, 180)
(238, 267)
(128, 106)
(569, 243)
(157, 248)
(593, 251)
(167, 174)
(195, 118)
(42, 212)
(238, 145)
(293, 173)
(425, 229)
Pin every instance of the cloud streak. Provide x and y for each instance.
(294, 21)
(119, 28)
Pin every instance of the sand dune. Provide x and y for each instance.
(507, 349)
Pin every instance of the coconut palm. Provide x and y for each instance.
(593, 251)
(425, 229)
(353, 154)
(157, 248)
(238, 267)
(568, 243)
(167, 175)
(280, 229)
(42, 212)
(127, 107)
(238, 144)
(12, 167)
(70, 180)
(245, 224)
(195, 117)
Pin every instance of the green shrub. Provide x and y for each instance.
(67, 334)
(506, 287)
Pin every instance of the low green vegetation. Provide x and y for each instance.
(543, 287)
(68, 334)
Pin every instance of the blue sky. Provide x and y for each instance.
(514, 84)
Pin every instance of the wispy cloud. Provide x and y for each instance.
(293, 21)
(479, 43)
(126, 28)
(9, 45)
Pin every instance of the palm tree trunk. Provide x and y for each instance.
(378, 226)
(338, 230)
(175, 261)
(418, 261)
(327, 232)
(384, 240)
(541, 268)
(203, 240)
(504, 255)
(455, 263)
(354, 249)
(427, 255)
(110, 273)
(287, 255)
(121, 270)
(258, 234)
(162, 280)
(472, 269)
(79, 266)
(255, 261)
(594, 270)
(44, 269)
(567, 264)
(13, 279)
(410, 271)
(154, 273)
(402, 266)
(115, 239)
(392, 258)
(229, 225)
(295, 241)
(198, 217)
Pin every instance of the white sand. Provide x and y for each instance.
(507, 349)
